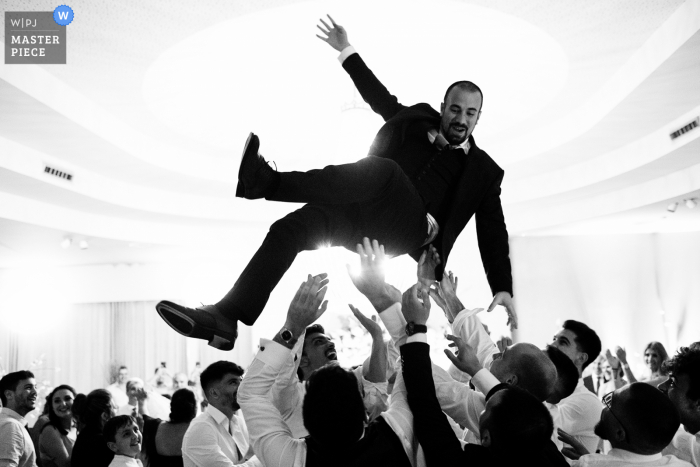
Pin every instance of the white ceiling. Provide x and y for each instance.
(153, 107)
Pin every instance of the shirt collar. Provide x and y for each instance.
(218, 415)
(12, 414)
(633, 457)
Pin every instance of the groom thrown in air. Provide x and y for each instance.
(423, 180)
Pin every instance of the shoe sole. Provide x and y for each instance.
(240, 188)
(186, 326)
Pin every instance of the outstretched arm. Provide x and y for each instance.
(374, 368)
(370, 88)
(269, 435)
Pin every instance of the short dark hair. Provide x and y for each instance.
(466, 86)
(653, 419)
(183, 406)
(333, 410)
(123, 367)
(10, 381)
(687, 362)
(313, 329)
(114, 424)
(53, 418)
(519, 423)
(586, 339)
(90, 411)
(567, 374)
(216, 372)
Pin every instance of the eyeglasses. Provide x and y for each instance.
(607, 399)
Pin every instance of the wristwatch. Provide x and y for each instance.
(413, 328)
(286, 335)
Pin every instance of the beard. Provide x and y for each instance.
(456, 137)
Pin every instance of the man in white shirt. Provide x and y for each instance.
(683, 389)
(333, 410)
(218, 437)
(639, 421)
(318, 350)
(18, 395)
(118, 388)
(578, 414)
(136, 393)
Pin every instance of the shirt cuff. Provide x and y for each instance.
(345, 53)
(395, 323)
(484, 381)
(418, 337)
(272, 354)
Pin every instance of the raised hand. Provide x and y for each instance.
(614, 363)
(576, 450)
(465, 358)
(369, 324)
(505, 300)
(370, 279)
(334, 34)
(415, 305)
(503, 343)
(445, 295)
(308, 304)
(427, 263)
(621, 354)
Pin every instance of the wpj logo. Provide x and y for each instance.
(37, 37)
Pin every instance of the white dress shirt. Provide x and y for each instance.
(622, 458)
(578, 414)
(118, 394)
(16, 447)
(288, 393)
(212, 440)
(685, 446)
(271, 437)
(125, 461)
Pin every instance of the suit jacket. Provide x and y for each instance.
(479, 186)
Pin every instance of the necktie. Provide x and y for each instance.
(441, 143)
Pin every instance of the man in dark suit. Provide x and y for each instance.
(423, 181)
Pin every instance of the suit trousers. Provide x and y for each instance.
(370, 198)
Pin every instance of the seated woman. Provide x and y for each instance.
(58, 435)
(90, 449)
(162, 440)
(655, 356)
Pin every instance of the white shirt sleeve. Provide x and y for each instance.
(271, 438)
(201, 448)
(374, 395)
(285, 393)
(345, 53)
(395, 324)
(467, 326)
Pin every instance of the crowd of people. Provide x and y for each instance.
(499, 403)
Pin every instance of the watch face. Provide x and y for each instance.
(286, 335)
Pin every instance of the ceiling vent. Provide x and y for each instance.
(58, 173)
(686, 128)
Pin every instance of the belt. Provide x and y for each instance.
(433, 229)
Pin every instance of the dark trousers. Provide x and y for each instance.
(370, 198)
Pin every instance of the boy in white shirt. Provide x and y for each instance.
(124, 438)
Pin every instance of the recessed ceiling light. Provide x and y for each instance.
(66, 243)
(672, 207)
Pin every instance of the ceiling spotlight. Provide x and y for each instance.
(66, 243)
(690, 203)
(672, 207)
(83, 245)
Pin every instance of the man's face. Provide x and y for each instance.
(676, 388)
(228, 392)
(652, 359)
(319, 350)
(180, 381)
(123, 376)
(565, 341)
(23, 399)
(127, 441)
(459, 115)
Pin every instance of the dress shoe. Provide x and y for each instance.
(255, 177)
(205, 322)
